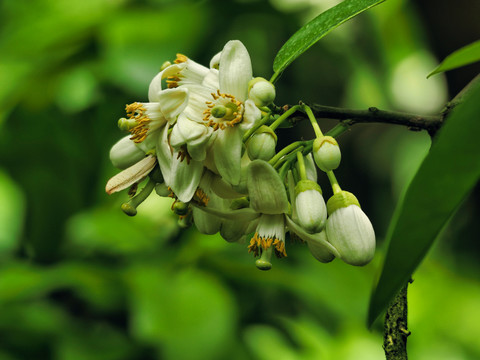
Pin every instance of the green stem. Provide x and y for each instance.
(288, 163)
(333, 182)
(313, 121)
(301, 166)
(337, 130)
(254, 128)
(274, 77)
(285, 116)
(287, 149)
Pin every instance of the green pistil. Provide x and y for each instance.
(226, 112)
(264, 262)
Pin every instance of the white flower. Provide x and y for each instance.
(223, 108)
(349, 230)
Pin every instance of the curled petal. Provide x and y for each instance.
(173, 102)
(164, 154)
(131, 175)
(251, 115)
(155, 87)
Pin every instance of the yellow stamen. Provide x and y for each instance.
(136, 111)
(180, 59)
(201, 197)
(259, 244)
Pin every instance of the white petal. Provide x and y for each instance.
(215, 60)
(227, 154)
(155, 87)
(173, 102)
(125, 153)
(211, 80)
(185, 177)
(235, 70)
(164, 154)
(198, 96)
(265, 188)
(130, 176)
(250, 116)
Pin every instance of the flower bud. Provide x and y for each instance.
(310, 206)
(349, 230)
(261, 91)
(318, 250)
(125, 153)
(326, 153)
(262, 144)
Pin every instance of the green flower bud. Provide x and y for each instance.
(318, 250)
(125, 153)
(310, 206)
(261, 91)
(349, 230)
(262, 144)
(326, 153)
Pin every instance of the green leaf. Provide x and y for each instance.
(445, 177)
(310, 33)
(461, 57)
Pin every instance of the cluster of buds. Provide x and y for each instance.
(206, 138)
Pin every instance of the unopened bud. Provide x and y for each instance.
(262, 144)
(349, 230)
(326, 153)
(261, 91)
(310, 206)
(125, 153)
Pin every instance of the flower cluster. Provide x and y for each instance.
(206, 138)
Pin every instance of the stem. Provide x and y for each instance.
(301, 166)
(254, 128)
(284, 116)
(333, 182)
(288, 162)
(285, 151)
(375, 115)
(274, 77)
(395, 327)
(313, 121)
(337, 130)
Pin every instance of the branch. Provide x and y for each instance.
(431, 123)
(395, 328)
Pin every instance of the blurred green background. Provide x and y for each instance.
(80, 280)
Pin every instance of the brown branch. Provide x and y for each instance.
(431, 123)
(395, 327)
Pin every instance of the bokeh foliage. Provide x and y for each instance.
(80, 280)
